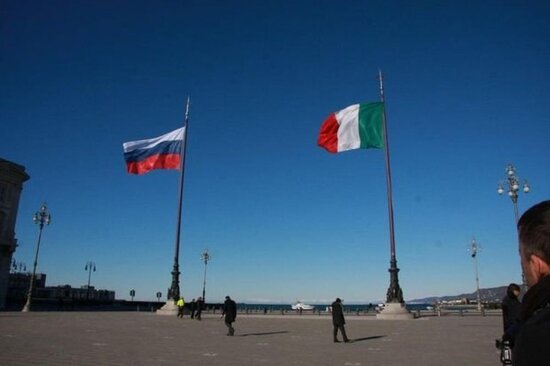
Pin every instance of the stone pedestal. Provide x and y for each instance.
(169, 308)
(395, 311)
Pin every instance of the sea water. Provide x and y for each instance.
(322, 307)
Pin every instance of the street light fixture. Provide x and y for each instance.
(89, 266)
(474, 249)
(205, 256)
(40, 218)
(18, 267)
(512, 183)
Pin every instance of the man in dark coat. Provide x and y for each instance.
(230, 313)
(193, 308)
(338, 320)
(533, 340)
(511, 313)
(200, 306)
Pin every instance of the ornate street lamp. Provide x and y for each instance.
(18, 267)
(205, 256)
(474, 249)
(89, 266)
(40, 218)
(512, 184)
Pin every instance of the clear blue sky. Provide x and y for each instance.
(467, 87)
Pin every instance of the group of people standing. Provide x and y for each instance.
(229, 311)
(195, 306)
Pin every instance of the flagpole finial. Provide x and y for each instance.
(381, 81)
(187, 108)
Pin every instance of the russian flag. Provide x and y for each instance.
(163, 152)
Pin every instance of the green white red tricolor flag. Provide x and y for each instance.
(359, 126)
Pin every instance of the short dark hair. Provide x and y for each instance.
(511, 288)
(534, 231)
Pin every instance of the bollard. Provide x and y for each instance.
(461, 312)
(417, 313)
(483, 311)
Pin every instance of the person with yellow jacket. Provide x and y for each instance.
(180, 304)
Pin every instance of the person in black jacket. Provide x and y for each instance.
(338, 320)
(510, 313)
(230, 313)
(533, 340)
(193, 308)
(200, 306)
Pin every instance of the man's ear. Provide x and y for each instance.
(539, 266)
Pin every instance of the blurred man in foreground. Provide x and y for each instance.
(532, 344)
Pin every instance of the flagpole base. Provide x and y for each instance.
(395, 311)
(169, 308)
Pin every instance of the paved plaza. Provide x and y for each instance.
(140, 338)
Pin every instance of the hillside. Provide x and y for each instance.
(494, 294)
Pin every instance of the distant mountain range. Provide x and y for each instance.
(493, 294)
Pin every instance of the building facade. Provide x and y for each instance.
(12, 177)
(19, 286)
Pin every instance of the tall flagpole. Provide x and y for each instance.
(174, 291)
(394, 294)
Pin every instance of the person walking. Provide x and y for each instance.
(338, 320)
(180, 304)
(193, 307)
(511, 313)
(531, 343)
(230, 313)
(200, 306)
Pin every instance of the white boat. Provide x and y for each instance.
(301, 306)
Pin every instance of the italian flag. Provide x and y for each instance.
(358, 126)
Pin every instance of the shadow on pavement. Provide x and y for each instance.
(367, 338)
(262, 334)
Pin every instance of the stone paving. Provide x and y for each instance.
(139, 338)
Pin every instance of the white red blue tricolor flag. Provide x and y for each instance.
(163, 152)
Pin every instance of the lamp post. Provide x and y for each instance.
(474, 249)
(512, 183)
(205, 256)
(18, 267)
(40, 218)
(89, 266)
